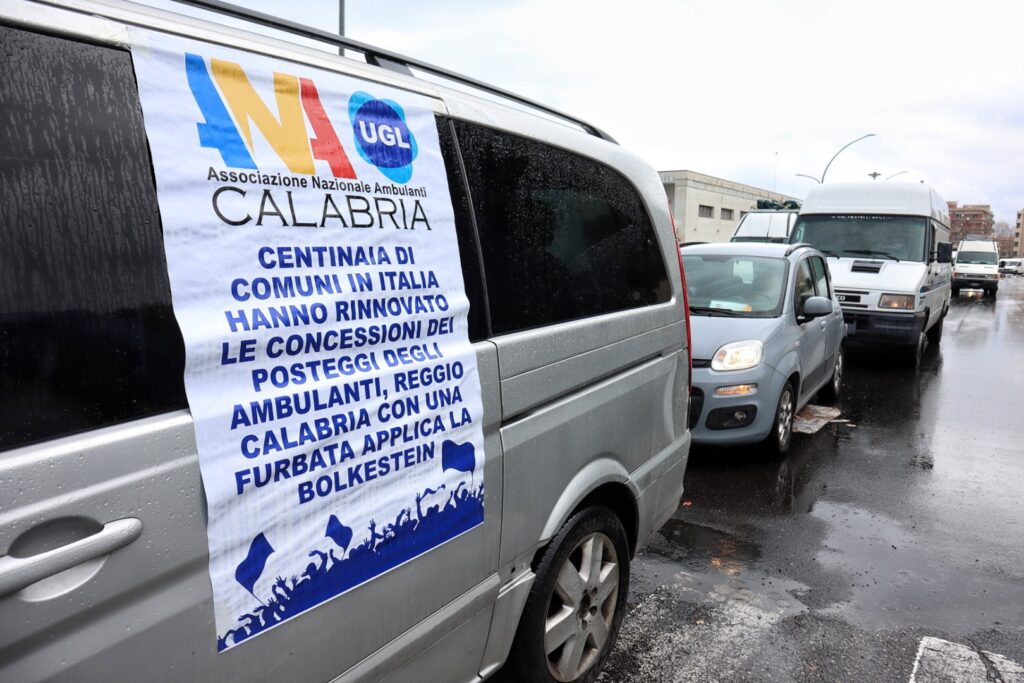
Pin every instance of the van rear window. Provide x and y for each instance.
(87, 334)
(563, 237)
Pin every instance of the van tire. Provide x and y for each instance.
(780, 438)
(935, 333)
(830, 392)
(585, 614)
(914, 352)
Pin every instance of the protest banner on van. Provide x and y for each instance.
(315, 276)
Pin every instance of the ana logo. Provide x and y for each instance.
(382, 136)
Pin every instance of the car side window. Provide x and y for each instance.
(87, 334)
(563, 237)
(820, 272)
(804, 287)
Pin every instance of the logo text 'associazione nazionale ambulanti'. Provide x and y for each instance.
(379, 128)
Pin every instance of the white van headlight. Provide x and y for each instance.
(741, 355)
(900, 302)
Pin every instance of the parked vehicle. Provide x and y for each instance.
(1011, 267)
(765, 226)
(768, 335)
(889, 255)
(976, 266)
(580, 339)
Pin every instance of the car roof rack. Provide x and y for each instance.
(690, 244)
(386, 59)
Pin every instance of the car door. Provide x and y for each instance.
(103, 546)
(833, 322)
(812, 332)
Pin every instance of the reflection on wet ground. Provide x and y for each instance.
(907, 518)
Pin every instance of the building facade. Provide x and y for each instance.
(706, 208)
(970, 219)
(1018, 241)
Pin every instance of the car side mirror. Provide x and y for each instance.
(944, 252)
(816, 307)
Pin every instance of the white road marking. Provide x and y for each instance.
(940, 661)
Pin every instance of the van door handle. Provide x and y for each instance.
(19, 572)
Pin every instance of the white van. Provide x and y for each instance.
(765, 226)
(976, 266)
(889, 254)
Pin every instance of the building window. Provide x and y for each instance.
(706, 211)
(726, 214)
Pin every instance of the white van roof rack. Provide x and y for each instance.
(384, 58)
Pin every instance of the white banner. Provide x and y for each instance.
(316, 279)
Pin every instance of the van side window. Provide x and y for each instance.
(820, 272)
(87, 334)
(563, 236)
(804, 288)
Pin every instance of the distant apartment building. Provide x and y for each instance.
(1018, 241)
(970, 219)
(706, 208)
(1006, 247)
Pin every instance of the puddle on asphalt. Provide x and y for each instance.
(706, 563)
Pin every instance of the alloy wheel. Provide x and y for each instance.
(785, 422)
(582, 607)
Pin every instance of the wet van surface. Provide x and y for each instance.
(314, 370)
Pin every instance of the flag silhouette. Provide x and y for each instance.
(458, 456)
(338, 532)
(249, 570)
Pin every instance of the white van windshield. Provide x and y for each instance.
(900, 238)
(977, 258)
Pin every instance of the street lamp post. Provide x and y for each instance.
(823, 173)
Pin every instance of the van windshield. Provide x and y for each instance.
(977, 258)
(900, 238)
(735, 286)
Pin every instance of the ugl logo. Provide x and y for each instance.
(380, 132)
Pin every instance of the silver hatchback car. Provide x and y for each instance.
(768, 335)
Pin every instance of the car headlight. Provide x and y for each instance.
(741, 355)
(902, 302)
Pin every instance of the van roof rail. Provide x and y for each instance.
(384, 58)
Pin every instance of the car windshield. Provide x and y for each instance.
(978, 258)
(899, 238)
(735, 286)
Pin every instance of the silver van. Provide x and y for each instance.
(577, 323)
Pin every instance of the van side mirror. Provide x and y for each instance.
(944, 252)
(816, 307)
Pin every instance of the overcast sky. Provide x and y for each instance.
(749, 90)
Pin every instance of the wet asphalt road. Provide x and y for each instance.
(833, 563)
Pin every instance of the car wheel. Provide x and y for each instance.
(935, 334)
(830, 392)
(575, 607)
(781, 436)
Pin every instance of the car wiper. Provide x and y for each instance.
(826, 252)
(871, 252)
(710, 310)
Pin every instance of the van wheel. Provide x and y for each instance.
(575, 607)
(830, 392)
(914, 352)
(935, 334)
(781, 436)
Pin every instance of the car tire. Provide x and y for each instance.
(575, 606)
(935, 334)
(830, 392)
(781, 436)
